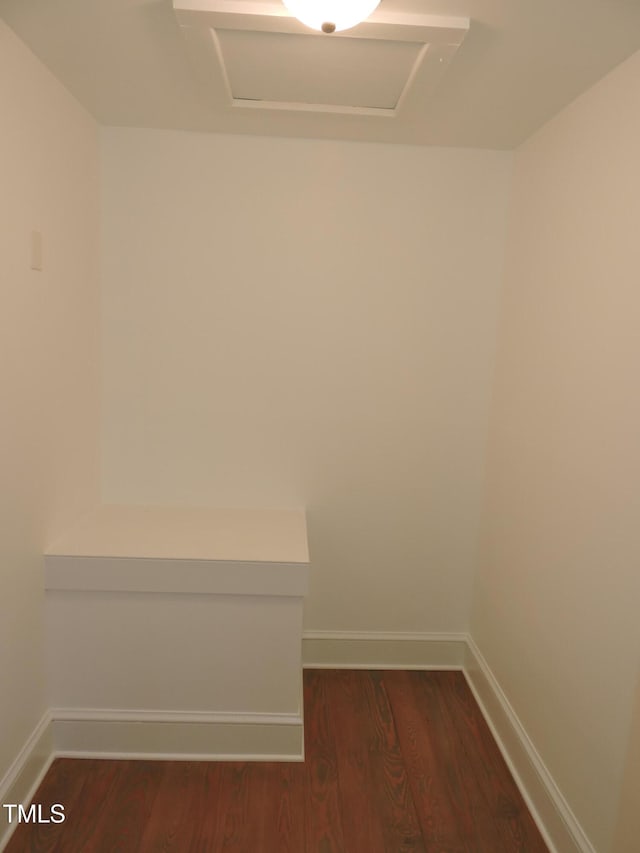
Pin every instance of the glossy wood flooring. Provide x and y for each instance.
(395, 762)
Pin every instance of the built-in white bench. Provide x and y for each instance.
(175, 632)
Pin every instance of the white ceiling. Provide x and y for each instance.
(521, 62)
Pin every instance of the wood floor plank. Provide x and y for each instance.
(290, 802)
(261, 807)
(85, 823)
(206, 819)
(177, 807)
(378, 813)
(478, 828)
(453, 752)
(323, 820)
(124, 818)
(489, 812)
(442, 826)
(455, 812)
(516, 827)
(233, 812)
(278, 794)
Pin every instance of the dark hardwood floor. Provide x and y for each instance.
(395, 762)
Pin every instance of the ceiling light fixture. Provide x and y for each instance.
(330, 16)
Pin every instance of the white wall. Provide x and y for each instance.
(309, 323)
(49, 377)
(628, 821)
(556, 599)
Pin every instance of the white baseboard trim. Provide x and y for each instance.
(557, 823)
(22, 779)
(180, 735)
(432, 651)
(382, 650)
(176, 735)
(145, 734)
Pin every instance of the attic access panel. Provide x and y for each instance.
(289, 68)
(255, 55)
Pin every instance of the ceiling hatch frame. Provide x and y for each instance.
(438, 38)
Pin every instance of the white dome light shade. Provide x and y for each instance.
(331, 15)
